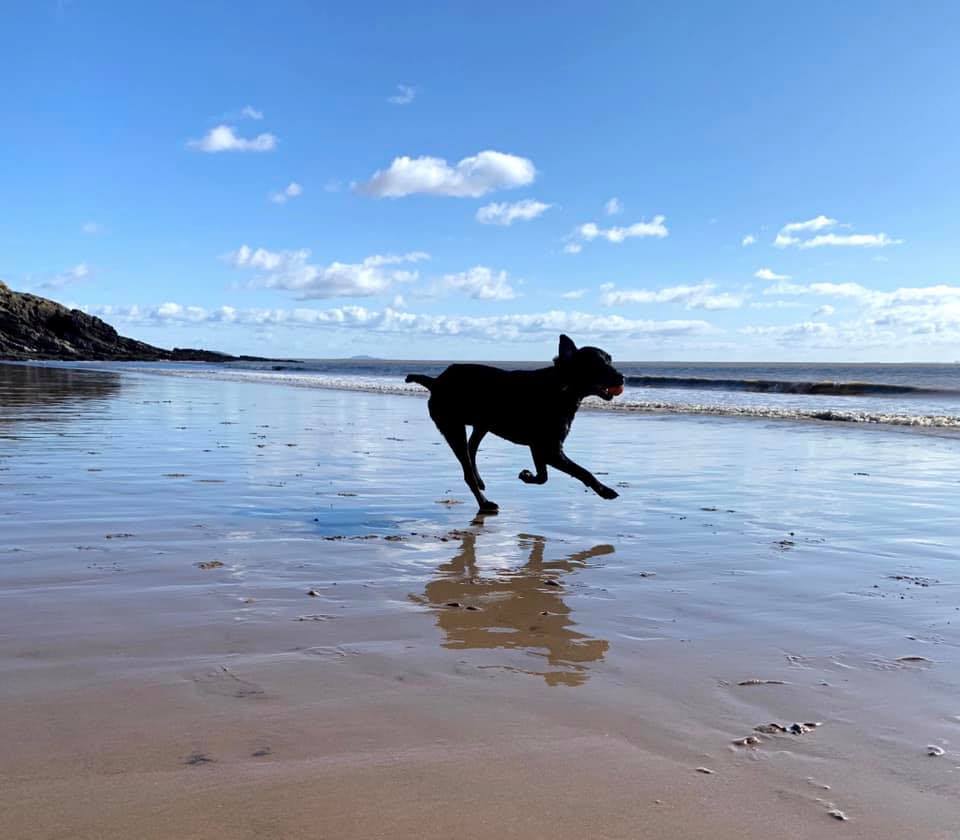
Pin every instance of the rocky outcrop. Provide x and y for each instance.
(33, 327)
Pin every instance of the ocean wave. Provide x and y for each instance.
(942, 422)
(788, 386)
(919, 421)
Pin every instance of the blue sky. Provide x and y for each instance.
(442, 180)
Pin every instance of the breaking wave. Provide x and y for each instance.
(629, 404)
(787, 386)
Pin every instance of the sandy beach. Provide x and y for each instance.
(231, 610)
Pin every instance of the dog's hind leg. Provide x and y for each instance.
(473, 445)
(456, 435)
(561, 462)
(540, 463)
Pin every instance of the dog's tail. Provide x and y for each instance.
(420, 379)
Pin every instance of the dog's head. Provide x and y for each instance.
(587, 370)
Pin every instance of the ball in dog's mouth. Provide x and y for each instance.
(611, 391)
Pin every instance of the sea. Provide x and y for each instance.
(919, 396)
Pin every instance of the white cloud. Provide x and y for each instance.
(785, 238)
(92, 228)
(924, 314)
(223, 138)
(404, 96)
(907, 295)
(613, 207)
(572, 248)
(749, 239)
(654, 228)
(251, 113)
(291, 190)
(472, 177)
(777, 304)
(811, 225)
(481, 283)
(76, 274)
(292, 271)
(790, 333)
(784, 287)
(518, 327)
(506, 214)
(856, 240)
(700, 296)
(574, 294)
(769, 274)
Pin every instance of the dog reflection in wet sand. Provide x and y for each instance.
(521, 609)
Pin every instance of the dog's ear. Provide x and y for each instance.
(567, 348)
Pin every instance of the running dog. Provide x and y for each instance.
(532, 408)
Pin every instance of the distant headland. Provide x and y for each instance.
(36, 328)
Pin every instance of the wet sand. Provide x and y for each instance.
(564, 669)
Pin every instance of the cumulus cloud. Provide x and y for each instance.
(292, 271)
(785, 237)
(518, 327)
(76, 274)
(749, 239)
(613, 207)
(769, 274)
(224, 138)
(291, 190)
(700, 296)
(655, 228)
(92, 228)
(923, 314)
(404, 96)
(574, 294)
(471, 177)
(506, 214)
(572, 248)
(481, 283)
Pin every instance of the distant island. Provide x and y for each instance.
(36, 328)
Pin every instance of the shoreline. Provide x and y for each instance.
(944, 425)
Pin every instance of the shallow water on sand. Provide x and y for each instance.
(565, 665)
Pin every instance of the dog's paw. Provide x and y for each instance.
(489, 507)
(526, 476)
(605, 492)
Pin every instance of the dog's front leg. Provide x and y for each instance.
(540, 463)
(561, 462)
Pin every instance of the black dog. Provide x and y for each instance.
(531, 407)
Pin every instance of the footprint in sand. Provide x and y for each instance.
(225, 683)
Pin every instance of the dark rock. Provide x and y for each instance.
(33, 327)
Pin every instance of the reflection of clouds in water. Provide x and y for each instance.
(519, 609)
